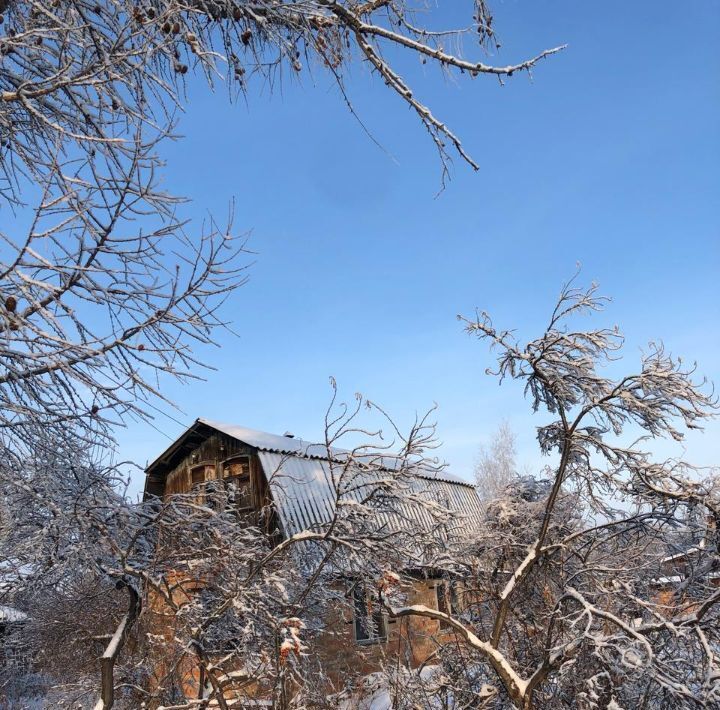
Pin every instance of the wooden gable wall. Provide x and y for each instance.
(213, 452)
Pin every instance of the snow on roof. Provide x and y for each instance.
(269, 442)
(9, 614)
(674, 579)
(677, 578)
(298, 447)
(299, 474)
(685, 553)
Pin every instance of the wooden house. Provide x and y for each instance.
(284, 483)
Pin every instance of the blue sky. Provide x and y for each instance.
(608, 156)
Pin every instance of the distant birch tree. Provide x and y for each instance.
(496, 464)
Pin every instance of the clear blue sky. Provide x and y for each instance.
(608, 156)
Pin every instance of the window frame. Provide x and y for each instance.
(230, 459)
(377, 629)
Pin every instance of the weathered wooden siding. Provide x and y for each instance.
(213, 452)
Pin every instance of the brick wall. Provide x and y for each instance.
(410, 640)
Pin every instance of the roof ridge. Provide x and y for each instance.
(275, 443)
(291, 446)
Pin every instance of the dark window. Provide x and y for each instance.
(370, 623)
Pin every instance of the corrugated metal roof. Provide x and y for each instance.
(305, 491)
(290, 445)
(300, 475)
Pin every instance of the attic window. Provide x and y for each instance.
(369, 621)
(236, 466)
